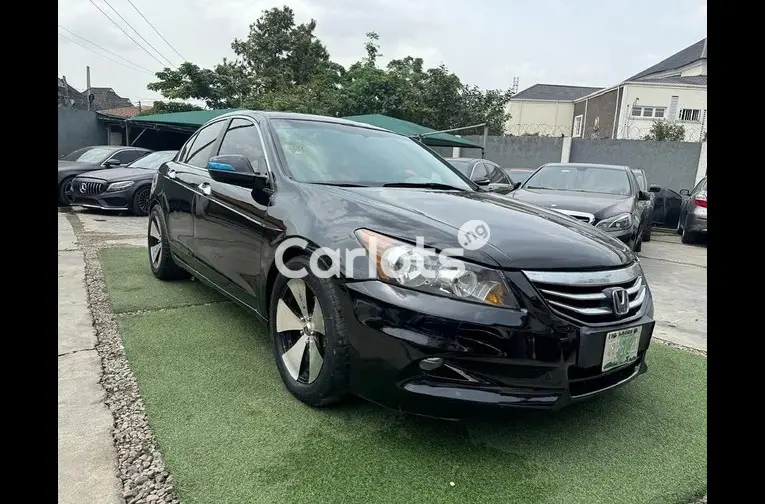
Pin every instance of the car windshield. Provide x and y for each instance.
(152, 161)
(462, 165)
(641, 180)
(581, 178)
(519, 175)
(89, 155)
(331, 153)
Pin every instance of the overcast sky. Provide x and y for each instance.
(485, 42)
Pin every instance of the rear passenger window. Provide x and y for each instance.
(242, 138)
(201, 149)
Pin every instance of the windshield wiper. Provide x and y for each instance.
(539, 187)
(339, 184)
(424, 185)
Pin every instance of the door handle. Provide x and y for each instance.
(171, 173)
(205, 188)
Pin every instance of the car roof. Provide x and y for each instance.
(256, 114)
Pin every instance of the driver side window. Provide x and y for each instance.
(127, 156)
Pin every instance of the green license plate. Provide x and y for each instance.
(621, 347)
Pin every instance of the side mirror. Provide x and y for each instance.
(516, 185)
(237, 170)
(685, 192)
(654, 188)
(112, 162)
(482, 182)
(644, 196)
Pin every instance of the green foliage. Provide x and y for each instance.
(666, 131)
(284, 66)
(159, 107)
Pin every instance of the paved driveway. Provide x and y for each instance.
(677, 274)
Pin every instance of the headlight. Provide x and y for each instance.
(119, 186)
(429, 271)
(616, 223)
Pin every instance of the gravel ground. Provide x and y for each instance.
(141, 467)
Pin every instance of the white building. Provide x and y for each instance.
(544, 109)
(674, 90)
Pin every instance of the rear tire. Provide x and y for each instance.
(310, 347)
(64, 192)
(140, 203)
(160, 258)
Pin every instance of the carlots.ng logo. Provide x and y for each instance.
(394, 258)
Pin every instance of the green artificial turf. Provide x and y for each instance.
(231, 433)
(127, 273)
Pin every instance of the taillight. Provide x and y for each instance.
(701, 200)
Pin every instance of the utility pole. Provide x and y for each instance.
(139, 106)
(87, 83)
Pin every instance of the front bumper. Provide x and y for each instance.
(115, 200)
(493, 358)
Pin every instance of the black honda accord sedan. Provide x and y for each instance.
(384, 272)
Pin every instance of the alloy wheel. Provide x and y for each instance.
(300, 331)
(143, 201)
(69, 192)
(155, 242)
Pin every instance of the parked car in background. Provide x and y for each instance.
(693, 213)
(96, 157)
(649, 205)
(605, 196)
(547, 312)
(485, 173)
(518, 175)
(120, 188)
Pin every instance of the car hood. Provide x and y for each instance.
(119, 174)
(74, 165)
(522, 236)
(599, 204)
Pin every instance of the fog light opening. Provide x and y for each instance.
(431, 363)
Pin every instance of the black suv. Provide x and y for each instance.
(383, 271)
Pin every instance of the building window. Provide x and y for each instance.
(693, 115)
(650, 112)
(577, 126)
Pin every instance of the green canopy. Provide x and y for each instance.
(411, 129)
(185, 120)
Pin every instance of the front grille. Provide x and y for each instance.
(580, 216)
(89, 187)
(582, 296)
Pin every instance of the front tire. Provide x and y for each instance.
(65, 192)
(140, 203)
(309, 337)
(160, 258)
(647, 233)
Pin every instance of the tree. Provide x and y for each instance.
(159, 107)
(664, 131)
(284, 66)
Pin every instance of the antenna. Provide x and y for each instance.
(515, 85)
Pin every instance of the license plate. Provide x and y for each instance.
(621, 347)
